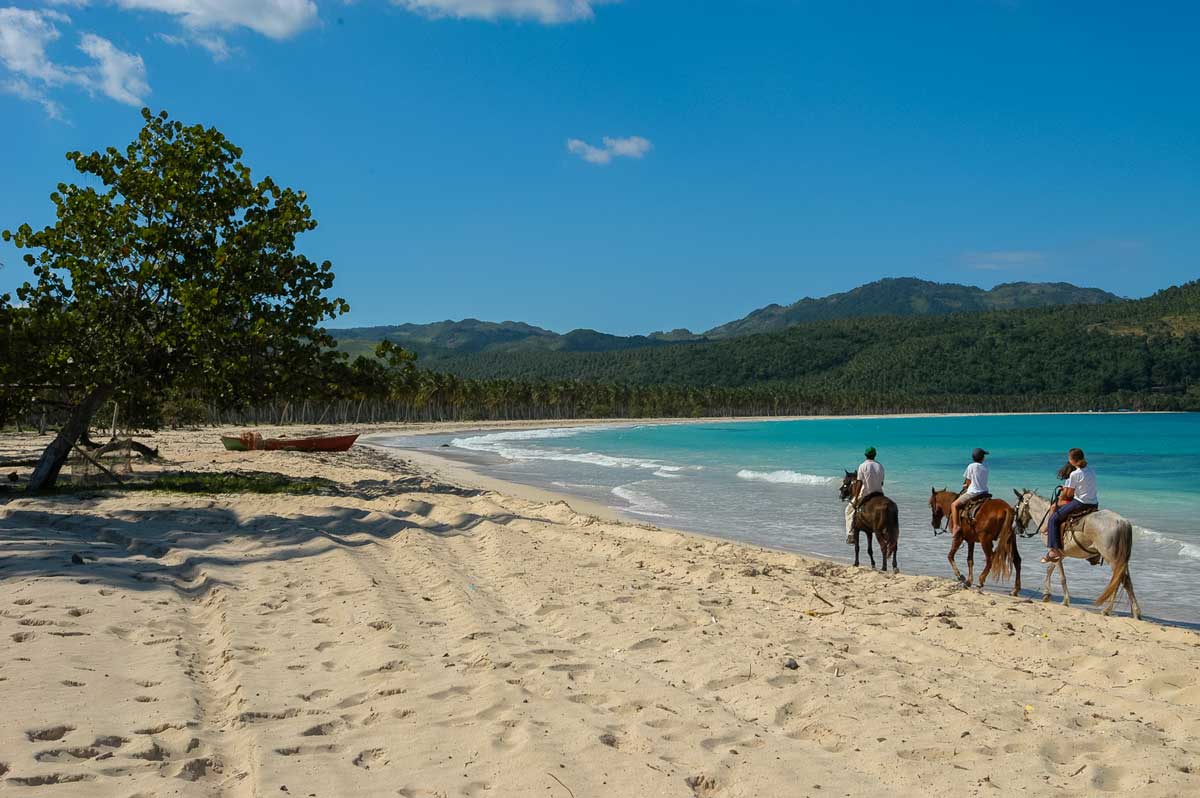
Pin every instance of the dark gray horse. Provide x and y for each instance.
(880, 517)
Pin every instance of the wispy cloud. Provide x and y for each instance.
(25, 35)
(277, 19)
(548, 12)
(120, 75)
(1002, 259)
(631, 147)
(215, 46)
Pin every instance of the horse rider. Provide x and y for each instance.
(975, 483)
(870, 478)
(1079, 493)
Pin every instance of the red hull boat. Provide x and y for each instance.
(328, 443)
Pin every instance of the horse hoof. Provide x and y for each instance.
(1046, 599)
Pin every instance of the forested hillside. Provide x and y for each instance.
(897, 297)
(451, 338)
(907, 296)
(1146, 348)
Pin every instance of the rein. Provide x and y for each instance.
(1025, 533)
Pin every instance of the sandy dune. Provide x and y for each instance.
(408, 637)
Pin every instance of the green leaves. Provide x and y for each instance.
(181, 271)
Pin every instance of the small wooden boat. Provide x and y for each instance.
(252, 441)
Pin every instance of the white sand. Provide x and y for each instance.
(408, 637)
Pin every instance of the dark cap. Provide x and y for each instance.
(870, 452)
(978, 453)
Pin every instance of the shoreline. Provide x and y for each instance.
(463, 467)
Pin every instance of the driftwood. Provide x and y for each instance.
(99, 465)
(99, 449)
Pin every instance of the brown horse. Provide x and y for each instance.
(878, 516)
(993, 523)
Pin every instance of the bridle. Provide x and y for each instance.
(1023, 507)
(944, 527)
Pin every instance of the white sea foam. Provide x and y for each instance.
(501, 444)
(785, 477)
(640, 503)
(1190, 550)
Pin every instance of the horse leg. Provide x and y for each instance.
(1016, 558)
(856, 547)
(970, 562)
(1062, 572)
(895, 545)
(1133, 605)
(986, 543)
(1046, 590)
(870, 549)
(955, 542)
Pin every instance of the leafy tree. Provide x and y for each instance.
(178, 271)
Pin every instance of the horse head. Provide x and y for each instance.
(935, 508)
(1023, 514)
(847, 486)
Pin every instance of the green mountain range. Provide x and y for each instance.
(908, 296)
(889, 297)
(1143, 353)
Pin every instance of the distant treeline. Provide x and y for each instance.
(1138, 355)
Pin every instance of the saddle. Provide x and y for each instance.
(1073, 521)
(968, 511)
(862, 502)
(1071, 526)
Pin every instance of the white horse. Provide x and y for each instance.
(1099, 534)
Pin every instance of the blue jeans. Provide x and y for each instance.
(1053, 533)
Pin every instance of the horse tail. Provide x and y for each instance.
(1005, 546)
(1120, 562)
(893, 524)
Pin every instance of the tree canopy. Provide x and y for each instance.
(178, 269)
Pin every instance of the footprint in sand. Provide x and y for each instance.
(366, 759)
(61, 755)
(49, 734)
(313, 696)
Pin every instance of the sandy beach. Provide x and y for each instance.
(418, 630)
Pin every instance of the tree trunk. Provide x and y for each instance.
(46, 473)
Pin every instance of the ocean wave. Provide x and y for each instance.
(785, 477)
(1190, 550)
(502, 444)
(640, 503)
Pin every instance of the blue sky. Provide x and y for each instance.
(649, 164)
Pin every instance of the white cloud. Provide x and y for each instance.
(631, 147)
(549, 12)
(999, 260)
(26, 34)
(120, 75)
(27, 91)
(216, 46)
(278, 19)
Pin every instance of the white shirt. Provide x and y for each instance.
(1083, 480)
(977, 475)
(870, 474)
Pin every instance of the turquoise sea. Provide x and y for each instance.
(775, 483)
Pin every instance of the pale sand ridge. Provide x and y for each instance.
(407, 636)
